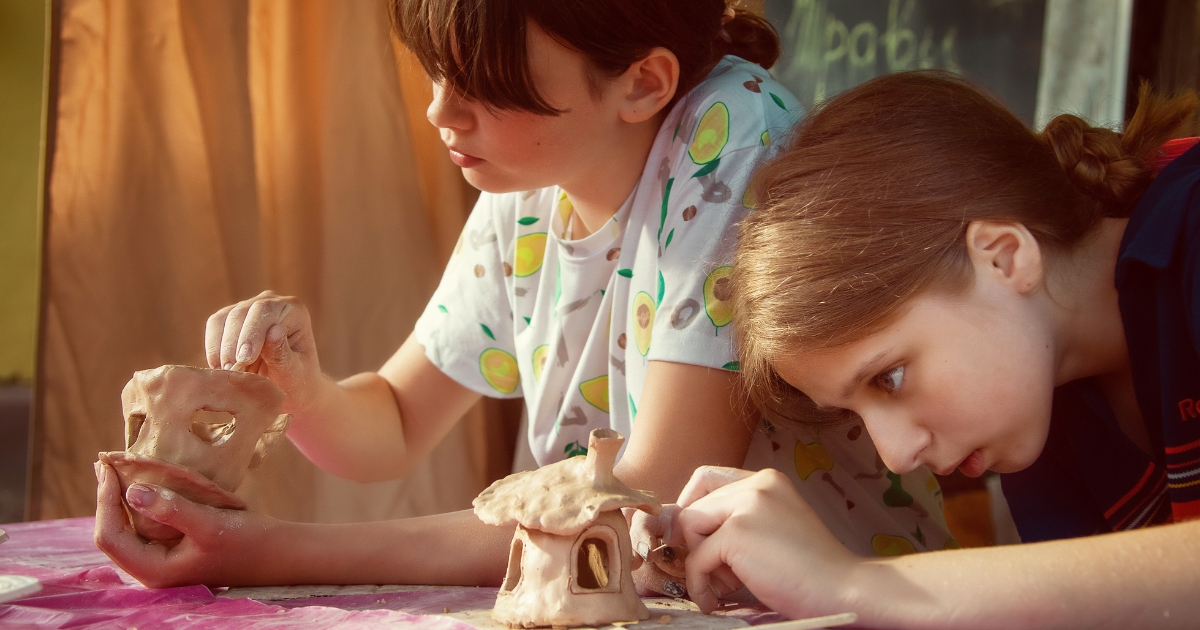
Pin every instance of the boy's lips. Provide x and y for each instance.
(462, 160)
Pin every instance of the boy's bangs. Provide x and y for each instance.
(476, 48)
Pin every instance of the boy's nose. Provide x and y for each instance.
(447, 111)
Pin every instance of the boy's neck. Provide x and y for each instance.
(598, 194)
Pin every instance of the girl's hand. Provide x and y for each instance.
(754, 529)
(218, 548)
(270, 335)
(648, 533)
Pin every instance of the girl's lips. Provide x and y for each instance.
(973, 465)
(462, 160)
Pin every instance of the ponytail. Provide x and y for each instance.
(750, 37)
(1111, 169)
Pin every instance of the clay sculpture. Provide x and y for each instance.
(196, 432)
(569, 564)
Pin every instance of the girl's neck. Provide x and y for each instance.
(1090, 331)
(598, 193)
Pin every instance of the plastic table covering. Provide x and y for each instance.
(81, 587)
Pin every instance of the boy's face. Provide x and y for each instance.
(961, 381)
(508, 151)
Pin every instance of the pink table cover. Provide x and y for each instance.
(82, 588)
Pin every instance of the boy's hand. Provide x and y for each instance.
(218, 548)
(270, 335)
(754, 529)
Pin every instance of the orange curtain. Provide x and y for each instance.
(205, 150)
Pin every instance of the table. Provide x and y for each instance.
(81, 587)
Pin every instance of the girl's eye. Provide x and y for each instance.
(891, 380)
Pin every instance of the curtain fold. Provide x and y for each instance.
(207, 150)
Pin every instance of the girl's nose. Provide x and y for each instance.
(447, 110)
(898, 440)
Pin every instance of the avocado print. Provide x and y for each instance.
(895, 495)
(886, 545)
(711, 134)
(595, 391)
(717, 294)
(748, 197)
(810, 458)
(643, 321)
(499, 369)
(531, 250)
(540, 354)
(564, 211)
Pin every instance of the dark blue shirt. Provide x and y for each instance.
(1090, 477)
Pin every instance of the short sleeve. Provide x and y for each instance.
(726, 132)
(467, 327)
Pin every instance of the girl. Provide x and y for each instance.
(983, 297)
(613, 140)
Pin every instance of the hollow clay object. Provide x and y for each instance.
(569, 564)
(196, 432)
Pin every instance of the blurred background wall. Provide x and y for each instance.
(22, 43)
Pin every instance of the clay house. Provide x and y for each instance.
(569, 564)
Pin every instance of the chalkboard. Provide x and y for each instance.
(832, 45)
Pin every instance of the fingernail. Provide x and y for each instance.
(674, 589)
(643, 549)
(227, 366)
(96, 467)
(139, 495)
(243, 355)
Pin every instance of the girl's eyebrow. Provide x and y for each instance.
(866, 371)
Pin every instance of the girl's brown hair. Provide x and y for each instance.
(870, 203)
(478, 46)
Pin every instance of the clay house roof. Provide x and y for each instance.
(565, 497)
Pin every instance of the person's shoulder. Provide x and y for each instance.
(747, 87)
(1168, 214)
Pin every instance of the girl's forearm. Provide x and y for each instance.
(1139, 579)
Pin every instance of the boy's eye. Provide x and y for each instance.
(891, 380)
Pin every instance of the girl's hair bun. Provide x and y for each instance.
(1110, 168)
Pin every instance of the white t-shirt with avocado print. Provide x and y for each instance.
(570, 325)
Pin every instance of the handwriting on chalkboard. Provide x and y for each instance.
(832, 45)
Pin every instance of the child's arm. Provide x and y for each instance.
(689, 416)
(243, 548)
(369, 427)
(753, 528)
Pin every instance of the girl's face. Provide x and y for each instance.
(959, 381)
(506, 151)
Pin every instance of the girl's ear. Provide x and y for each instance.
(1006, 253)
(648, 85)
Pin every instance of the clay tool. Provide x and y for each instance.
(812, 623)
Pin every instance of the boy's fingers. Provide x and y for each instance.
(169, 508)
(214, 329)
(706, 479)
(276, 350)
(113, 535)
(233, 330)
(262, 316)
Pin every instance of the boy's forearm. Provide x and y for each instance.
(353, 429)
(447, 549)
(1145, 578)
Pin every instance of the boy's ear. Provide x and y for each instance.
(649, 85)
(1007, 253)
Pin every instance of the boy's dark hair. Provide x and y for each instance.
(478, 46)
